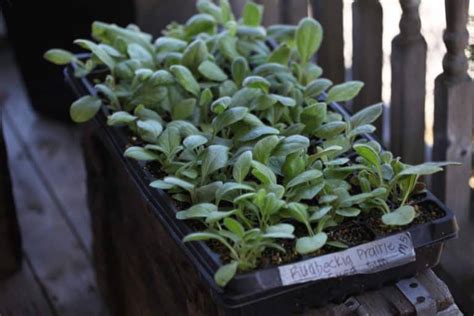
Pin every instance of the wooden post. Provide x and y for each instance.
(407, 107)
(10, 241)
(292, 11)
(271, 14)
(367, 53)
(153, 16)
(454, 99)
(331, 53)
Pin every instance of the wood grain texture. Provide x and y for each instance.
(55, 252)
(367, 54)
(21, 295)
(407, 105)
(59, 261)
(454, 102)
(291, 11)
(10, 240)
(153, 16)
(55, 152)
(272, 12)
(331, 54)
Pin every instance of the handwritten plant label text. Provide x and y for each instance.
(371, 257)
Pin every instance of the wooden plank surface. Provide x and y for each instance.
(58, 260)
(58, 257)
(10, 240)
(22, 295)
(55, 151)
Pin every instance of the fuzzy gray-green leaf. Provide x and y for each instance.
(229, 117)
(305, 177)
(242, 166)
(185, 79)
(59, 56)
(344, 92)
(307, 245)
(225, 273)
(197, 211)
(216, 158)
(308, 36)
(316, 87)
(140, 153)
(263, 173)
(211, 71)
(401, 216)
(195, 54)
(367, 115)
(85, 108)
(120, 118)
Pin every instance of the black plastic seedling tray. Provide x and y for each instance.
(263, 291)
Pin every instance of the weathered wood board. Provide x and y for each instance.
(21, 295)
(55, 253)
(10, 240)
(55, 152)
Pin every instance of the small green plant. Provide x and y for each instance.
(238, 118)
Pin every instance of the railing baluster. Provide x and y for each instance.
(153, 16)
(292, 11)
(271, 14)
(407, 106)
(331, 53)
(367, 53)
(454, 100)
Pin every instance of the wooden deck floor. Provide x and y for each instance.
(48, 177)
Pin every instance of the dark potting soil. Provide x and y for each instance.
(349, 233)
(426, 211)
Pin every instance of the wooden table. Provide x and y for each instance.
(10, 241)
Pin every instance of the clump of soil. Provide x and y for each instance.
(351, 234)
(154, 168)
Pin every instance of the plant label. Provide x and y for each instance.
(371, 257)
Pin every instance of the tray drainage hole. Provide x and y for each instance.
(413, 285)
(420, 299)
